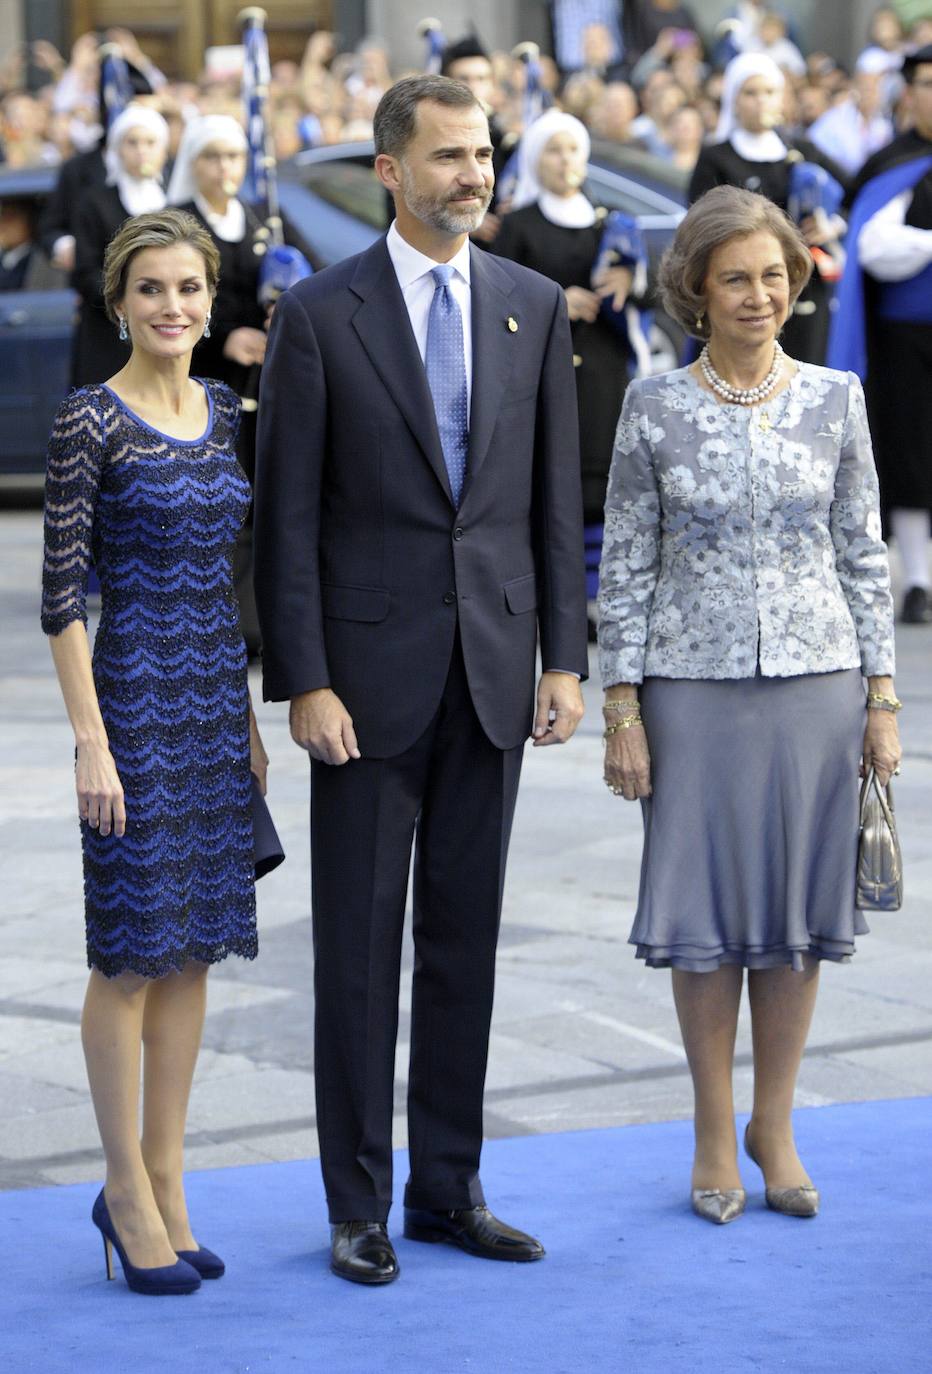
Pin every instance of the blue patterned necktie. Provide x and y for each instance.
(446, 377)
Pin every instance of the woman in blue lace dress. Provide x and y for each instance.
(744, 595)
(142, 480)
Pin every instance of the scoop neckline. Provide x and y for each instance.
(173, 438)
(729, 408)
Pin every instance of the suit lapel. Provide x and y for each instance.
(385, 332)
(493, 354)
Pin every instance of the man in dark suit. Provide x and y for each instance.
(418, 518)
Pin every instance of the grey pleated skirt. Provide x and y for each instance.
(750, 835)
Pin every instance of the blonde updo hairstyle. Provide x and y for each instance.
(155, 229)
(724, 213)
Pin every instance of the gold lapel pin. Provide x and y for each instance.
(512, 324)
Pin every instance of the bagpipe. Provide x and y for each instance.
(431, 30)
(622, 245)
(813, 193)
(281, 265)
(535, 101)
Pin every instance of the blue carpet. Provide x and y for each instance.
(632, 1282)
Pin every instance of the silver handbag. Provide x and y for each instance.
(880, 863)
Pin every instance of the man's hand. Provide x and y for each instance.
(582, 304)
(559, 696)
(321, 724)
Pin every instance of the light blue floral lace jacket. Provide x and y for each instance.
(735, 535)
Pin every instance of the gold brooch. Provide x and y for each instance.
(512, 324)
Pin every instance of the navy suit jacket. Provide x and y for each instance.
(364, 566)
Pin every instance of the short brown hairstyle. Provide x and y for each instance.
(725, 212)
(396, 113)
(155, 229)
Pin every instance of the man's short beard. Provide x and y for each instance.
(442, 215)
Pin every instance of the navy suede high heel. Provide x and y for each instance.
(207, 1264)
(167, 1278)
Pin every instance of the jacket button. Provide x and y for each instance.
(449, 598)
(458, 532)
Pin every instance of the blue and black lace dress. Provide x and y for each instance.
(158, 516)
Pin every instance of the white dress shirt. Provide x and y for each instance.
(889, 248)
(413, 271)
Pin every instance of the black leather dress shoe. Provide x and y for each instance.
(362, 1252)
(475, 1230)
(916, 607)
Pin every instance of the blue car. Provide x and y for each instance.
(333, 198)
(36, 328)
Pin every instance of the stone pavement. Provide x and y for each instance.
(583, 1035)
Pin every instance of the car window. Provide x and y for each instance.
(619, 193)
(643, 167)
(349, 186)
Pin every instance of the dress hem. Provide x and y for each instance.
(708, 961)
(145, 968)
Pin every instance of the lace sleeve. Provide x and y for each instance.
(73, 470)
(230, 408)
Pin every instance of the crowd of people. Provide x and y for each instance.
(651, 82)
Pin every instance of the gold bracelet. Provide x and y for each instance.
(625, 705)
(876, 701)
(617, 725)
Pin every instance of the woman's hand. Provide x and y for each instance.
(582, 304)
(882, 750)
(627, 762)
(615, 282)
(100, 792)
(258, 758)
(245, 345)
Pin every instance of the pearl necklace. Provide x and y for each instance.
(742, 396)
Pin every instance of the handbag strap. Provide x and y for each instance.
(884, 796)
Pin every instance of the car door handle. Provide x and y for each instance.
(14, 319)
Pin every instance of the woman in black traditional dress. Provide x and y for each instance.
(205, 182)
(751, 152)
(137, 146)
(556, 230)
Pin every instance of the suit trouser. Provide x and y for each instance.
(453, 794)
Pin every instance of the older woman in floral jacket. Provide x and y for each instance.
(744, 597)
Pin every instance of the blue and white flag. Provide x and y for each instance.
(256, 77)
(431, 31)
(116, 87)
(812, 191)
(281, 267)
(536, 99)
(622, 245)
